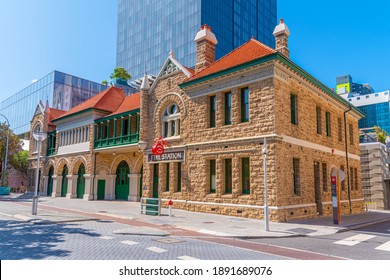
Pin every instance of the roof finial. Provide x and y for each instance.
(171, 53)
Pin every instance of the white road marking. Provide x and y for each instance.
(187, 258)
(212, 232)
(384, 246)
(356, 239)
(128, 242)
(106, 237)
(157, 249)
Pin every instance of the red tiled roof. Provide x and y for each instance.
(131, 102)
(108, 100)
(251, 50)
(54, 114)
(192, 71)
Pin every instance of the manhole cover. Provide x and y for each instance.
(170, 240)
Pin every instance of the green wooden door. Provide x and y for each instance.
(81, 181)
(64, 183)
(122, 181)
(101, 189)
(50, 181)
(155, 180)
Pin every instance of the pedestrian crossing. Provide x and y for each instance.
(384, 247)
(153, 249)
(357, 239)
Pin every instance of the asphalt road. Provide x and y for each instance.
(368, 243)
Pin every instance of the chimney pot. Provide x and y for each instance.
(205, 48)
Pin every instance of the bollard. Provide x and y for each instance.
(170, 207)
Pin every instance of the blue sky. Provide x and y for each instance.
(328, 39)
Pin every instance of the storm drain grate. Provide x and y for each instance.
(208, 222)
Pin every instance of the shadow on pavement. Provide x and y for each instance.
(27, 241)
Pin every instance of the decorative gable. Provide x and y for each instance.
(39, 110)
(169, 68)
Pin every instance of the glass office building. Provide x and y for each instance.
(376, 107)
(149, 29)
(63, 91)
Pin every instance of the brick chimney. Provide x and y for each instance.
(205, 48)
(281, 34)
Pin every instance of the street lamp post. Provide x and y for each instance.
(39, 136)
(6, 153)
(265, 186)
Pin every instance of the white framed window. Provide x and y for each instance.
(171, 121)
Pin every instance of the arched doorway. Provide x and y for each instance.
(64, 183)
(50, 181)
(81, 181)
(122, 181)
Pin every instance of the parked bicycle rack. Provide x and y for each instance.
(152, 206)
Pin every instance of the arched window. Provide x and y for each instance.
(171, 121)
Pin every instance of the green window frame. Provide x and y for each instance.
(245, 176)
(340, 128)
(327, 124)
(213, 110)
(212, 176)
(351, 134)
(296, 176)
(318, 120)
(228, 108)
(244, 104)
(324, 177)
(179, 176)
(167, 177)
(294, 108)
(228, 175)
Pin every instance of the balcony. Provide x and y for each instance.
(117, 130)
(116, 141)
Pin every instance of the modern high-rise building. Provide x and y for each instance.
(344, 84)
(62, 91)
(376, 107)
(149, 29)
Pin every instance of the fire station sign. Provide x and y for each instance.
(166, 157)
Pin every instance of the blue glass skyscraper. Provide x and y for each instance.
(62, 91)
(149, 29)
(376, 107)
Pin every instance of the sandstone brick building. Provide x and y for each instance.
(215, 119)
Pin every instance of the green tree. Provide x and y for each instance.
(20, 162)
(14, 143)
(380, 134)
(104, 82)
(120, 73)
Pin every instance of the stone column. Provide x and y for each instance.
(110, 187)
(72, 185)
(88, 195)
(45, 184)
(134, 187)
(57, 180)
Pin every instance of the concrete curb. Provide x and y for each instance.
(364, 224)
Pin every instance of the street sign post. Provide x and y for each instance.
(335, 200)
